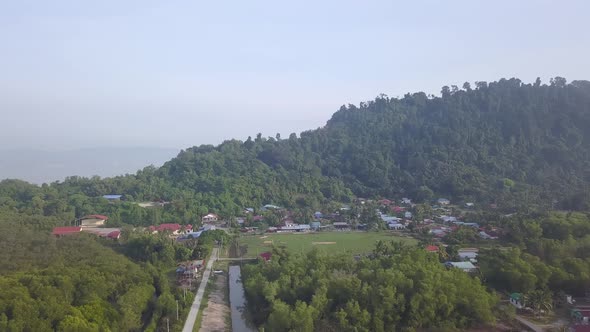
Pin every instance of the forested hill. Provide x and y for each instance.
(504, 142)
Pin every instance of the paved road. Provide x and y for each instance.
(192, 315)
(529, 324)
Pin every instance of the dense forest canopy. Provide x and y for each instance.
(397, 289)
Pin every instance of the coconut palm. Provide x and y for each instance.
(539, 300)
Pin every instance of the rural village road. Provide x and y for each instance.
(192, 315)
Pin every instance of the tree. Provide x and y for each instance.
(541, 300)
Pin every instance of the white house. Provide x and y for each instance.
(211, 217)
(396, 226)
(443, 201)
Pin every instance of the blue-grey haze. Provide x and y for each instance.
(78, 74)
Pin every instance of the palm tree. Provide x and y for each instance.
(539, 300)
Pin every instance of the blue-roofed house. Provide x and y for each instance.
(112, 197)
(318, 215)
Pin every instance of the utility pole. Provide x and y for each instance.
(167, 324)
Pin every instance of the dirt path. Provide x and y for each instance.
(215, 316)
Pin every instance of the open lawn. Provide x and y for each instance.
(331, 242)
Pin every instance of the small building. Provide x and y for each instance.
(271, 207)
(249, 210)
(398, 209)
(318, 215)
(315, 225)
(114, 235)
(341, 225)
(464, 266)
(406, 200)
(581, 315)
(431, 248)
(517, 300)
(486, 236)
(385, 202)
(469, 205)
(408, 215)
(112, 198)
(172, 228)
(63, 231)
(443, 201)
(396, 226)
(93, 220)
(266, 256)
(211, 217)
(467, 254)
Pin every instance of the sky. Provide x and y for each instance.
(79, 74)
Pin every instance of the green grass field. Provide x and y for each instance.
(333, 242)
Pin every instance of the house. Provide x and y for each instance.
(389, 219)
(581, 315)
(464, 266)
(289, 223)
(385, 202)
(115, 235)
(517, 300)
(266, 256)
(487, 236)
(443, 201)
(431, 248)
(448, 219)
(112, 198)
(63, 231)
(406, 201)
(249, 210)
(408, 215)
(398, 209)
(240, 221)
(271, 207)
(469, 205)
(315, 225)
(190, 235)
(341, 225)
(257, 218)
(172, 228)
(396, 226)
(211, 217)
(93, 220)
(318, 215)
(468, 254)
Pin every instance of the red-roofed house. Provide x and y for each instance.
(172, 228)
(397, 209)
(432, 248)
(115, 235)
(62, 231)
(266, 256)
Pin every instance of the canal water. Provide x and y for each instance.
(237, 300)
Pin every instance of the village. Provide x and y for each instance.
(441, 228)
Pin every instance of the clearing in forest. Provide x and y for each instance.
(331, 242)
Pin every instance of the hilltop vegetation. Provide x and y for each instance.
(505, 142)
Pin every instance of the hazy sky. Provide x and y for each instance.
(182, 73)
